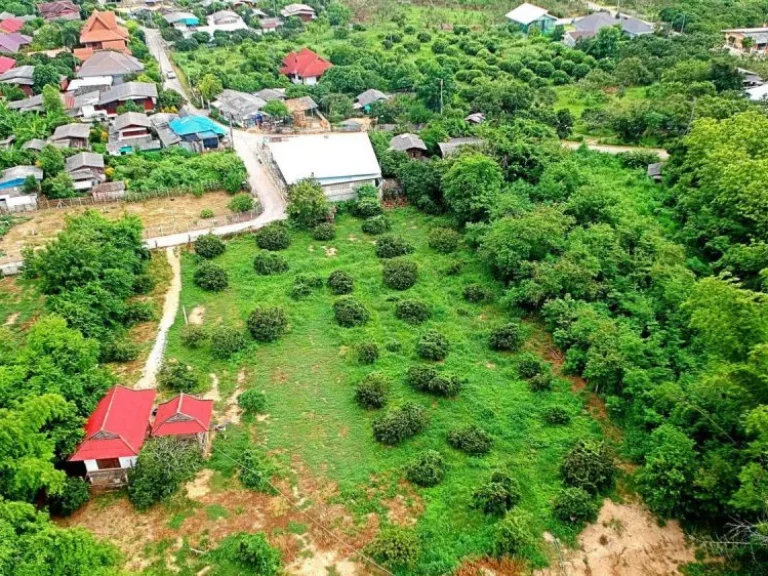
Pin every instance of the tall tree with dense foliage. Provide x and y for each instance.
(472, 187)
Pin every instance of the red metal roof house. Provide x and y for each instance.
(184, 416)
(59, 10)
(6, 64)
(114, 435)
(304, 66)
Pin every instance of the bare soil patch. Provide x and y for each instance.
(197, 315)
(12, 319)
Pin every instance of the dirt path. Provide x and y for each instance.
(170, 308)
(611, 149)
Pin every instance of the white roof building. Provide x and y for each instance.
(339, 162)
(529, 15)
(757, 93)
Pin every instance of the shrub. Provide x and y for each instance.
(307, 204)
(367, 353)
(226, 341)
(575, 505)
(371, 392)
(507, 337)
(400, 274)
(340, 282)
(393, 346)
(589, 465)
(254, 551)
(471, 440)
(163, 465)
(397, 424)
(304, 285)
(241, 203)
(349, 312)
(254, 471)
(396, 547)
(206, 213)
(556, 415)
(433, 346)
(74, 494)
(529, 366)
(427, 470)
(252, 401)
(475, 293)
(120, 349)
(390, 246)
(137, 312)
(499, 494)
(444, 240)
(376, 225)
(267, 324)
(324, 231)
(541, 382)
(427, 379)
(178, 377)
(273, 237)
(269, 263)
(420, 376)
(366, 208)
(412, 311)
(143, 284)
(193, 336)
(211, 277)
(513, 535)
(209, 246)
(454, 268)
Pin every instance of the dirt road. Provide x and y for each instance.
(611, 149)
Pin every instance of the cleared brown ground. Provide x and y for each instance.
(159, 215)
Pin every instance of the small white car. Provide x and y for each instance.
(170, 74)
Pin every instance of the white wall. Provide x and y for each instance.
(125, 462)
(344, 190)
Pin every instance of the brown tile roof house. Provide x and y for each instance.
(71, 136)
(102, 27)
(60, 10)
(110, 63)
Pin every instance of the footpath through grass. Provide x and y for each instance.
(309, 377)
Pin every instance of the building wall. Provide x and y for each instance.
(26, 203)
(345, 190)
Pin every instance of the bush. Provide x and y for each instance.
(454, 268)
(254, 471)
(376, 225)
(397, 424)
(471, 440)
(541, 382)
(412, 311)
(324, 231)
(178, 377)
(307, 204)
(513, 536)
(137, 312)
(273, 237)
(74, 494)
(252, 401)
(371, 392)
(400, 274)
(427, 379)
(507, 337)
(241, 203)
(226, 341)
(391, 246)
(349, 312)
(396, 547)
(366, 208)
(206, 213)
(209, 246)
(556, 415)
(120, 349)
(267, 324)
(211, 277)
(589, 465)
(475, 293)
(433, 346)
(367, 353)
(529, 366)
(269, 263)
(143, 284)
(340, 282)
(304, 285)
(499, 494)
(163, 465)
(427, 470)
(254, 551)
(444, 240)
(575, 505)
(193, 336)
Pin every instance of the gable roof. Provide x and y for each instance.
(526, 14)
(109, 63)
(455, 144)
(189, 125)
(118, 426)
(369, 97)
(129, 91)
(132, 119)
(269, 94)
(11, 24)
(10, 43)
(181, 415)
(238, 105)
(598, 20)
(84, 160)
(296, 9)
(6, 64)
(102, 27)
(304, 64)
(404, 142)
(187, 17)
(303, 104)
(53, 10)
(74, 130)
(19, 76)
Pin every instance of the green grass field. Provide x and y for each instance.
(309, 377)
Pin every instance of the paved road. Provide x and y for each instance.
(157, 48)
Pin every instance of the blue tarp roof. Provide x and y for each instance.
(196, 125)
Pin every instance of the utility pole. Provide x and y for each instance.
(682, 27)
(441, 96)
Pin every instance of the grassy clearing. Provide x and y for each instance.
(20, 302)
(575, 100)
(309, 377)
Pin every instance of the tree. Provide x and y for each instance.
(472, 186)
(52, 103)
(210, 86)
(606, 43)
(307, 204)
(44, 75)
(60, 186)
(276, 109)
(51, 160)
(162, 466)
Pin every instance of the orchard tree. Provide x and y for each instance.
(472, 187)
(307, 204)
(210, 86)
(51, 160)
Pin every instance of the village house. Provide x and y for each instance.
(102, 32)
(185, 417)
(364, 100)
(60, 10)
(109, 63)
(11, 25)
(6, 64)
(300, 107)
(302, 11)
(86, 170)
(12, 43)
(528, 16)
(74, 135)
(747, 40)
(408, 143)
(80, 86)
(223, 21)
(131, 131)
(36, 145)
(339, 162)
(304, 66)
(20, 77)
(13, 196)
(198, 132)
(269, 24)
(114, 435)
(108, 191)
(141, 94)
(240, 108)
(182, 20)
(588, 27)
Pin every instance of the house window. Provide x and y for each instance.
(108, 463)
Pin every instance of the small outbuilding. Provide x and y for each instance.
(199, 132)
(529, 16)
(185, 417)
(74, 135)
(408, 143)
(86, 170)
(364, 100)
